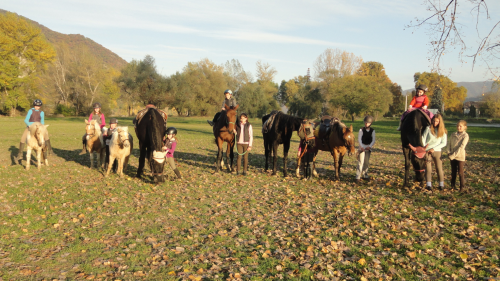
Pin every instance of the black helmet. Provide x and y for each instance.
(171, 131)
(423, 88)
(97, 105)
(37, 102)
(228, 91)
(368, 119)
(113, 121)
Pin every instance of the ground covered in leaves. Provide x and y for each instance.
(69, 222)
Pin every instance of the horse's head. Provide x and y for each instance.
(123, 136)
(418, 161)
(92, 128)
(348, 137)
(231, 117)
(37, 130)
(306, 131)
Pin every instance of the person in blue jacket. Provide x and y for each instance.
(35, 114)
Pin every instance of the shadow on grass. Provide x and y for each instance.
(13, 152)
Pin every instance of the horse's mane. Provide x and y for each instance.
(288, 120)
(32, 128)
(338, 129)
(413, 127)
(156, 129)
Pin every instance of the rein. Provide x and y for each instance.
(306, 139)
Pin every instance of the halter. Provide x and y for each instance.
(306, 139)
(123, 141)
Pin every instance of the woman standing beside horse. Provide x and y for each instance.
(100, 119)
(434, 139)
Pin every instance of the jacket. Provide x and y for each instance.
(432, 141)
(456, 147)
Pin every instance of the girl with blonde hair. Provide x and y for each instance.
(456, 153)
(435, 138)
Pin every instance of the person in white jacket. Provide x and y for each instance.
(435, 138)
(366, 139)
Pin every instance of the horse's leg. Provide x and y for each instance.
(266, 153)
(28, 157)
(219, 156)
(142, 159)
(314, 166)
(39, 158)
(111, 159)
(286, 147)
(275, 157)
(91, 159)
(125, 163)
(336, 157)
(119, 170)
(230, 147)
(406, 153)
(297, 171)
(341, 157)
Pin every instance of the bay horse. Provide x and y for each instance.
(280, 133)
(340, 141)
(121, 146)
(95, 142)
(150, 131)
(35, 140)
(223, 132)
(412, 128)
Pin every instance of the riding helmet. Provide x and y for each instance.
(97, 105)
(113, 121)
(171, 131)
(228, 91)
(423, 88)
(368, 119)
(37, 102)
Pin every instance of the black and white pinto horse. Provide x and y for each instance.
(412, 128)
(150, 131)
(280, 133)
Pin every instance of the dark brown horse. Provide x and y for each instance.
(223, 132)
(150, 131)
(412, 129)
(340, 141)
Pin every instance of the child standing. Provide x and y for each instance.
(99, 117)
(229, 100)
(169, 145)
(435, 138)
(244, 136)
(35, 114)
(420, 100)
(456, 153)
(366, 140)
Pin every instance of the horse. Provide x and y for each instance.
(279, 133)
(95, 142)
(412, 128)
(150, 131)
(120, 147)
(35, 141)
(223, 132)
(339, 142)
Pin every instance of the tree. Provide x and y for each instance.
(472, 111)
(360, 95)
(453, 96)
(236, 75)
(446, 31)
(265, 72)
(398, 106)
(333, 63)
(374, 69)
(491, 101)
(437, 100)
(24, 52)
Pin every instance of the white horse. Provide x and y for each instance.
(95, 142)
(35, 141)
(120, 148)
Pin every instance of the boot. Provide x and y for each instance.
(84, 149)
(19, 154)
(177, 173)
(210, 123)
(48, 148)
(309, 172)
(399, 127)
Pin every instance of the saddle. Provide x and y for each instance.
(325, 127)
(269, 122)
(141, 114)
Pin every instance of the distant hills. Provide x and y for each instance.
(73, 40)
(475, 90)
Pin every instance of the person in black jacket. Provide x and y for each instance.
(366, 139)
(229, 100)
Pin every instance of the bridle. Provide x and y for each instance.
(122, 142)
(307, 139)
(93, 130)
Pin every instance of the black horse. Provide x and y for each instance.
(280, 133)
(412, 129)
(150, 131)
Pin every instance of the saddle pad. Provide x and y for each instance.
(141, 114)
(269, 122)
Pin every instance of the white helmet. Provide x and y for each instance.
(228, 91)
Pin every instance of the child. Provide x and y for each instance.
(307, 150)
(435, 139)
(169, 145)
(456, 153)
(229, 100)
(107, 134)
(95, 115)
(420, 100)
(244, 136)
(366, 140)
(34, 115)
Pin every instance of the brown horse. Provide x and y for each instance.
(95, 142)
(223, 132)
(340, 141)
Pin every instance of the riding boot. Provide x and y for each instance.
(210, 123)
(309, 172)
(48, 148)
(177, 173)
(84, 149)
(19, 154)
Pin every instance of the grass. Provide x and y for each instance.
(69, 222)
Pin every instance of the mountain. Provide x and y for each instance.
(73, 40)
(475, 90)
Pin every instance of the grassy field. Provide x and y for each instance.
(68, 222)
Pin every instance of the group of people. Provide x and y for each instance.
(434, 140)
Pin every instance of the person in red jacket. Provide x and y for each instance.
(420, 100)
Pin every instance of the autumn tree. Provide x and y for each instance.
(437, 100)
(491, 101)
(453, 96)
(333, 63)
(24, 52)
(236, 75)
(398, 106)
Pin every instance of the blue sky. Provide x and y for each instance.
(289, 35)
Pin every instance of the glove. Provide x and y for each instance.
(424, 107)
(410, 107)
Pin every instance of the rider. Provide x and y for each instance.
(34, 115)
(106, 136)
(366, 139)
(99, 117)
(420, 100)
(169, 145)
(229, 100)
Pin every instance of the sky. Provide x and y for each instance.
(289, 35)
